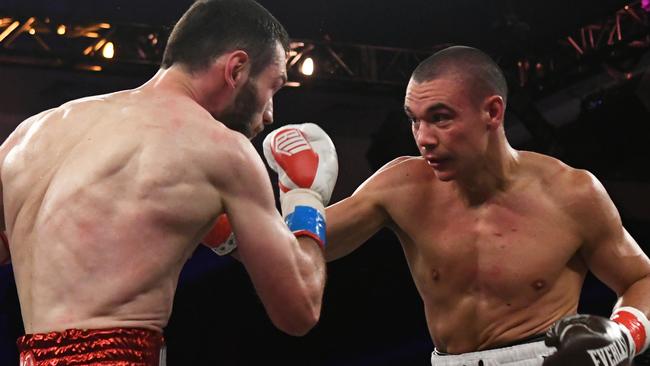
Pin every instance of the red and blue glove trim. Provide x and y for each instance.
(307, 221)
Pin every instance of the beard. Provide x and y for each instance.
(239, 116)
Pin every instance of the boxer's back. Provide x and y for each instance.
(104, 199)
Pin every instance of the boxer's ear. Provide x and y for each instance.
(236, 68)
(494, 108)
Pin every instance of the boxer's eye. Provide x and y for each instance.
(439, 117)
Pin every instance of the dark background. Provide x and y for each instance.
(372, 314)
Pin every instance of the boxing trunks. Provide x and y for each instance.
(526, 352)
(105, 347)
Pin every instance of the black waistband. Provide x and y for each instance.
(530, 339)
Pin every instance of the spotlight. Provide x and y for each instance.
(109, 50)
(307, 67)
(8, 30)
(60, 30)
(153, 39)
(32, 31)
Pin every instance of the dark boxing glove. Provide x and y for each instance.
(583, 340)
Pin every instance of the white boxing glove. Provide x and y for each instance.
(304, 157)
(307, 165)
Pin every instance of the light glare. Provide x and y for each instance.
(109, 50)
(307, 67)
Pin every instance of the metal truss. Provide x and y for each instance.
(354, 63)
(137, 47)
(626, 25)
(46, 42)
(615, 44)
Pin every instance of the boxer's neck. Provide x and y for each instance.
(203, 87)
(491, 175)
(172, 80)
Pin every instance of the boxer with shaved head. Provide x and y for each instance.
(498, 241)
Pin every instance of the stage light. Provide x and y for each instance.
(32, 31)
(109, 50)
(153, 39)
(9, 29)
(307, 67)
(91, 34)
(94, 48)
(99, 44)
(60, 30)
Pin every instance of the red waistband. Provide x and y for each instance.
(115, 347)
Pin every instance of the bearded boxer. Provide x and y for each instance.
(106, 197)
(498, 241)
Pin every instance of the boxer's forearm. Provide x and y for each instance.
(631, 313)
(637, 296)
(350, 223)
(313, 270)
(299, 310)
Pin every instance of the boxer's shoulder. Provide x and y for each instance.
(18, 136)
(397, 180)
(93, 103)
(411, 167)
(230, 157)
(555, 175)
(392, 172)
(401, 162)
(578, 191)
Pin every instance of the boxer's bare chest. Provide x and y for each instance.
(517, 241)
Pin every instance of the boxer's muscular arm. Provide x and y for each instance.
(354, 220)
(608, 249)
(614, 257)
(5, 257)
(288, 274)
(351, 222)
(14, 139)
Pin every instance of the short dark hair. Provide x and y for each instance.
(471, 65)
(210, 28)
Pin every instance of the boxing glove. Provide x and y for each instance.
(306, 162)
(583, 340)
(635, 326)
(220, 238)
(304, 157)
